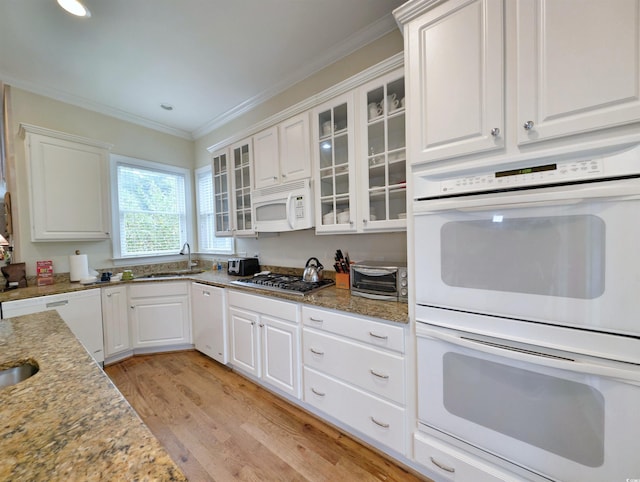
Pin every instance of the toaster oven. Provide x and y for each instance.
(380, 280)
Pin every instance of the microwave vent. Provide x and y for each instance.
(288, 187)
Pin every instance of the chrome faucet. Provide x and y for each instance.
(189, 263)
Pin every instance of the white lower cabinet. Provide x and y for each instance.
(352, 378)
(208, 308)
(115, 321)
(265, 340)
(81, 311)
(159, 314)
(454, 465)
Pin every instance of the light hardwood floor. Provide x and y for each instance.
(219, 426)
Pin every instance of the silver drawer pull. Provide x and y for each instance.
(379, 375)
(380, 337)
(316, 352)
(444, 467)
(379, 424)
(316, 319)
(57, 303)
(320, 394)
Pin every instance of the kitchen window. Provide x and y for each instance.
(205, 215)
(150, 201)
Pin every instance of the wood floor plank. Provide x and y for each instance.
(217, 425)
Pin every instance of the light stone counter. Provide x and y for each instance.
(330, 297)
(68, 421)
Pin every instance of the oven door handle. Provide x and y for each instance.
(620, 190)
(373, 271)
(630, 376)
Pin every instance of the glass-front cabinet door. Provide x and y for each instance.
(221, 193)
(335, 172)
(241, 162)
(383, 166)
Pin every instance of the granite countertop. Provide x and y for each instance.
(68, 421)
(331, 297)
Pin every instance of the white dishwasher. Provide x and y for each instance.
(81, 310)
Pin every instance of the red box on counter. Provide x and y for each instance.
(44, 273)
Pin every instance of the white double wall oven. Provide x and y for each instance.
(528, 313)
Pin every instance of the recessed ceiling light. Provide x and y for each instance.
(166, 106)
(74, 7)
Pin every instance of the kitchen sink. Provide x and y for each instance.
(18, 373)
(169, 274)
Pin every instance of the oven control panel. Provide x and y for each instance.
(528, 176)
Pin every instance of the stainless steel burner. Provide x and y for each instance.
(283, 283)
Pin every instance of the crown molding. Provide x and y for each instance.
(410, 10)
(93, 106)
(373, 72)
(356, 41)
(43, 131)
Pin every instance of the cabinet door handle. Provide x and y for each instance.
(206, 293)
(320, 394)
(316, 352)
(261, 325)
(379, 375)
(495, 132)
(442, 466)
(317, 320)
(379, 424)
(380, 337)
(528, 125)
(53, 304)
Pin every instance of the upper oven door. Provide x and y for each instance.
(564, 255)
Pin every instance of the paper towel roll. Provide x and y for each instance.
(78, 267)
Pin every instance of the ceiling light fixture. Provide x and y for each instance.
(166, 106)
(74, 7)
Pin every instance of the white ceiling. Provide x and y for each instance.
(210, 59)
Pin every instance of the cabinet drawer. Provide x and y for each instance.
(156, 289)
(376, 418)
(267, 306)
(453, 464)
(367, 367)
(361, 329)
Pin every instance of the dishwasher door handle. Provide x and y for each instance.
(53, 304)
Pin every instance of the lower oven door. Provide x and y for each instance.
(567, 417)
(562, 255)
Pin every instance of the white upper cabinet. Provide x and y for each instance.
(454, 60)
(295, 148)
(382, 177)
(266, 162)
(68, 186)
(241, 166)
(221, 191)
(335, 183)
(282, 153)
(578, 67)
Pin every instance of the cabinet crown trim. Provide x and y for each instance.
(392, 63)
(31, 129)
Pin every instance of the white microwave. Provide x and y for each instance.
(286, 207)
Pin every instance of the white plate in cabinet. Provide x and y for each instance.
(381, 420)
(369, 368)
(362, 329)
(453, 464)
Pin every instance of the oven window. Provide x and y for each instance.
(271, 212)
(557, 415)
(560, 256)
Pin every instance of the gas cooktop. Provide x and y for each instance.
(283, 283)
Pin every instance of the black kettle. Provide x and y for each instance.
(312, 272)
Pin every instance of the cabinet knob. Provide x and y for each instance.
(284, 175)
(275, 178)
(528, 125)
(132, 307)
(364, 221)
(495, 132)
(261, 325)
